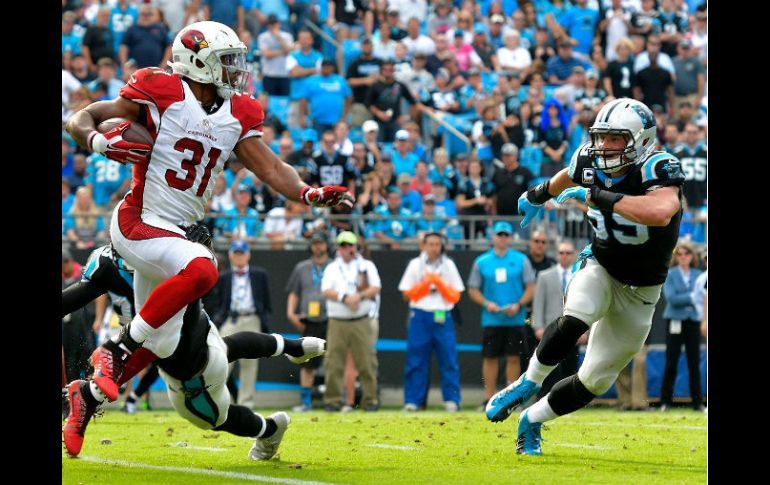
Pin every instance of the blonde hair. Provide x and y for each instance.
(84, 218)
(687, 246)
(625, 41)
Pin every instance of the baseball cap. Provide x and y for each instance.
(686, 44)
(564, 43)
(404, 178)
(502, 226)
(479, 29)
(272, 18)
(309, 134)
(592, 74)
(328, 62)
(370, 125)
(578, 69)
(497, 19)
(402, 135)
(509, 149)
(239, 246)
(429, 198)
(347, 237)
(392, 9)
(243, 188)
(459, 33)
(474, 71)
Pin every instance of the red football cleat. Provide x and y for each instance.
(109, 361)
(80, 414)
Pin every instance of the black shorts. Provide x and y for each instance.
(497, 341)
(314, 329)
(276, 86)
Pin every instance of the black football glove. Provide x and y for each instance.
(199, 233)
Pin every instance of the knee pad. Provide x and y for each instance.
(558, 338)
(569, 395)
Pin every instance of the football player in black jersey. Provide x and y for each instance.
(196, 372)
(634, 198)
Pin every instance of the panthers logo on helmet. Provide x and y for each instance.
(647, 119)
(194, 40)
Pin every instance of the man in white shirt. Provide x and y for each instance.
(548, 304)
(284, 224)
(351, 284)
(432, 285)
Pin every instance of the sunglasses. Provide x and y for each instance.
(539, 241)
(566, 252)
(684, 254)
(345, 245)
(503, 234)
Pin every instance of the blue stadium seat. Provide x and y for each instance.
(548, 90)
(296, 136)
(356, 134)
(279, 105)
(489, 80)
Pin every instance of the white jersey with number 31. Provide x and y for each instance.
(190, 148)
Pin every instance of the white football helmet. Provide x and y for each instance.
(211, 53)
(629, 118)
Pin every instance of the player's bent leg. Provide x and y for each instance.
(253, 345)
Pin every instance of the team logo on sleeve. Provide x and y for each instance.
(673, 169)
(588, 175)
(194, 40)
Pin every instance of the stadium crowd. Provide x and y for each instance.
(373, 95)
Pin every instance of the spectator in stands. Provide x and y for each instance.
(301, 64)
(221, 198)
(592, 96)
(580, 23)
(690, 76)
(411, 199)
(654, 85)
(84, 223)
(371, 130)
(508, 131)
(559, 68)
(699, 36)
(330, 166)
(67, 158)
(673, 26)
(275, 46)
(401, 61)
(383, 44)
(228, 12)
(429, 221)
(615, 26)
(619, 76)
(343, 143)
(464, 27)
(642, 60)
(385, 168)
(496, 32)
(510, 182)
(484, 49)
(302, 159)
(482, 130)
(548, 304)
(435, 61)
(71, 37)
(473, 95)
(474, 198)
(671, 139)
(417, 78)
(554, 125)
(683, 115)
(107, 71)
(123, 15)
(396, 225)
(329, 96)
(645, 22)
(420, 182)
(528, 125)
(502, 282)
(362, 73)
(442, 97)
(404, 160)
(349, 15)
(432, 285)
(351, 285)
(108, 180)
(525, 20)
(512, 57)
(415, 41)
(306, 309)
(683, 325)
(147, 42)
(364, 163)
(284, 224)
(74, 96)
(98, 40)
(460, 164)
(79, 172)
(693, 155)
(241, 221)
(441, 169)
(445, 205)
(79, 69)
(464, 54)
(441, 19)
(372, 195)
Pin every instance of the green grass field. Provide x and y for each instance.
(590, 446)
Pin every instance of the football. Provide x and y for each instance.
(135, 133)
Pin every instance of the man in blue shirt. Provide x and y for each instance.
(146, 42)
(559, 67)
(108, 180)
(580, 23)
(502, 281)
(329, 95)
(243, 221)
(228, 12)
(397, 226)
(301, 65)
(410, 198)
(404, 160)
(123, 16)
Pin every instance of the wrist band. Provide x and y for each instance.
(90, 139)
(604, 199)
(539, 194)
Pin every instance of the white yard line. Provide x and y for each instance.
(392, 447)
(590, 447)
(642, 425)
(183, 444)
(202, 471)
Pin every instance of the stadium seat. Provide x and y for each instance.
(356, 134)
(489, 80)
(279, 105)
(531, 158)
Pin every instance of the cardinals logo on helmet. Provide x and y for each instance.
(194, 41)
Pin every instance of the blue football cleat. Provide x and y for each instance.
(528, 440)
(502, 404)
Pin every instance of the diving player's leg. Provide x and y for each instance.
(588, 298)
(611, 346)
(252, 345)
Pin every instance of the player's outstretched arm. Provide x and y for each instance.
(257, 157)
(656, 208)
(84, 122)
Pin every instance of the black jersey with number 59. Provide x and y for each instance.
(632, 253)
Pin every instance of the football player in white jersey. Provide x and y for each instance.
(634, 199)
(197, 115)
